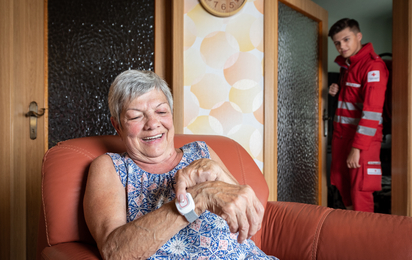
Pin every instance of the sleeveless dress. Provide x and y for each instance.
(208, 237)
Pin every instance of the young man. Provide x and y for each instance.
(357, 136)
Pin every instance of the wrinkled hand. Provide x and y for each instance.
(237, 204)
(353, 158)
(199, 171)
(333, 89)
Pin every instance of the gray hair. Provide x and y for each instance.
(131, 84)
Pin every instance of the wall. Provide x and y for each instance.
(223, 75)
(375, 21)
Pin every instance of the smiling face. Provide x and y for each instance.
(347, 42)
(147, 128)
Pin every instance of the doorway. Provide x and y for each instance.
(370, 14)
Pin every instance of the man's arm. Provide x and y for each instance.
(374, 87)
(374, 82)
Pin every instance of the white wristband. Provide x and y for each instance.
(187, 208)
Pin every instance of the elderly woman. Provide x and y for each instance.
(135, 202)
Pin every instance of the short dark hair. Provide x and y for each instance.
(342, 24)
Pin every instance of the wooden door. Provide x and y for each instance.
(21, 81)
(319, 15)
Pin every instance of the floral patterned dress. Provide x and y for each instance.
(208, 237)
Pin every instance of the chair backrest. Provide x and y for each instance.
(64, 175)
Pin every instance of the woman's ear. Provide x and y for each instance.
(116, 126)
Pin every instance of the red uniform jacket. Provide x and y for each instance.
(362, 93)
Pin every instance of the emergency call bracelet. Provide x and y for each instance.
(187, 208)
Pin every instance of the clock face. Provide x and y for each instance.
(223, 7)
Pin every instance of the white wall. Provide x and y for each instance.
(375, 21)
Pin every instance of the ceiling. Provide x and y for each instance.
(357, 8)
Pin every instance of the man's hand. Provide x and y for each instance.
(353, 158)
(333, 89)
(237, 204)
(199, 171)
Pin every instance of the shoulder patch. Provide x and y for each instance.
(374, 76)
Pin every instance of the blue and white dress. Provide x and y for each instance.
(208, 237)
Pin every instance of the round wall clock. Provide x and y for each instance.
(223, 8)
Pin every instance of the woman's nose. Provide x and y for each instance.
(152, 122)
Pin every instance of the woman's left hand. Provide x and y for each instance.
(237, 204)
(199, 171)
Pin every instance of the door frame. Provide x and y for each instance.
(320, 15)
(401, 170)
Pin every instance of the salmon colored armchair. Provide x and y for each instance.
(289, 230)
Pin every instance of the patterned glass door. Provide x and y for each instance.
(299, 103)
(89, 43)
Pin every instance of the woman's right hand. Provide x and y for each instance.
(333, 89)
(237, 204)
(199, 171)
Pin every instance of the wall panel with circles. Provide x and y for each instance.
(223, 74)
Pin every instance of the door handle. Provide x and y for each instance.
(325, 122)
(34, 114)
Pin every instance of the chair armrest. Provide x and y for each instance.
(290, 229)
(72, 251)
(301, 231)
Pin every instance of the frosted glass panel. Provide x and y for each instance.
(90, 42)
(297, 107)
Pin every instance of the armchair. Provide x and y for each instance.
(289, 230)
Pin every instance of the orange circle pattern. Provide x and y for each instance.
(223, 75)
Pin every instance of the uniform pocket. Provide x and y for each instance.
(372, 176)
